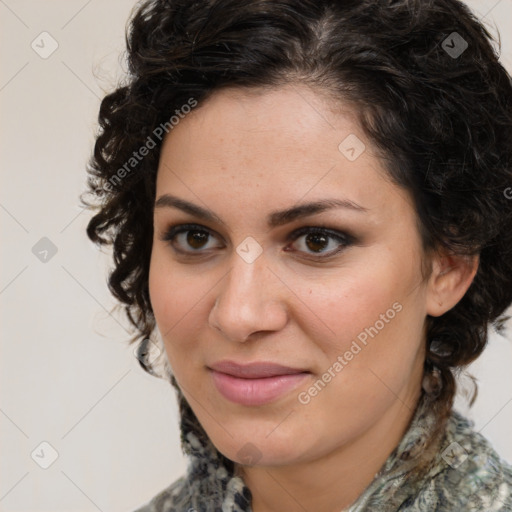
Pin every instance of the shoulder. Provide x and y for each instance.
(167, 500)
(468, 474)
(211, 490)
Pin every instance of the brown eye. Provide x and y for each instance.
(321, 242)
(316, 242)
(197, 239)
(188, 238)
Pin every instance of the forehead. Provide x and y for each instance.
(292, 120)
(259, 148)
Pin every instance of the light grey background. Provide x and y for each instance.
(68, 377)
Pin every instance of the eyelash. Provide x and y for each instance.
(343, 238)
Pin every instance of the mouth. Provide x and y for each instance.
(255, 370)
(255, 383)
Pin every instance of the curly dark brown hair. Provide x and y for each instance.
(425, 79)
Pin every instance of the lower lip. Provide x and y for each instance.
(255, 391)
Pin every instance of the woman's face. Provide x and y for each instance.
(344, 307)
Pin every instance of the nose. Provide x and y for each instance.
(251, 299)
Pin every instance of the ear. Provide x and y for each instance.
(451, 276)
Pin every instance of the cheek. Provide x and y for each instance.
(177, 298)
(159, 289)
(167, 295)
(371, 359)
(354, 302)
(374, 316)
(170, 289)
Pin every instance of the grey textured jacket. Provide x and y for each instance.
(467, 475)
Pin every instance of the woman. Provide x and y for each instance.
(308, 211)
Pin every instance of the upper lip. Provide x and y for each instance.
(254, 370)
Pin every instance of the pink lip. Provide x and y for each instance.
(254, 370)
(255, 383)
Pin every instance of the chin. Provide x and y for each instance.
(253, 445)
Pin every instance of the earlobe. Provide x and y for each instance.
(451, 277)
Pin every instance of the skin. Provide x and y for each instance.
(244, 154)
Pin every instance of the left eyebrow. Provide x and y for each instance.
(274, 219)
